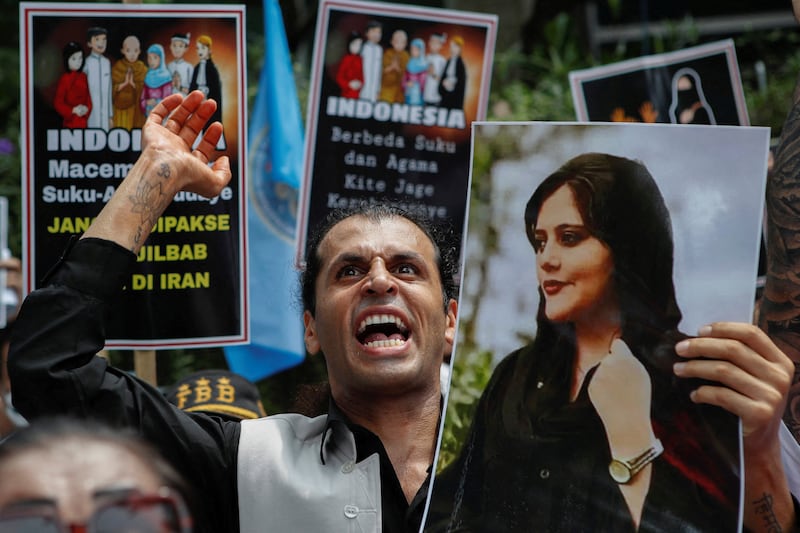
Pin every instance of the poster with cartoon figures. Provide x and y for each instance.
(91, 74)
(697, 85)
(591, 251)
(394, 90)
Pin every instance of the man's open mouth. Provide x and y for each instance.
(382, 331)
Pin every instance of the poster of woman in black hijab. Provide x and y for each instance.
(697, 85)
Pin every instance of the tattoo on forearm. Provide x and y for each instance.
(149, 201)
(164, 171)
(781, 306)
(779, 314)
(763, 509)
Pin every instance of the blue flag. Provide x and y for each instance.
(274, 169)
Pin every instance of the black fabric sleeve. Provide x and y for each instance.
(54, 371)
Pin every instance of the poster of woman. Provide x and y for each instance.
(695, 85)
(590, 251)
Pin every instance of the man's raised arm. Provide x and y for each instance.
(62, 324)
(166, 166)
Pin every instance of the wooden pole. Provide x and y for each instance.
(144, 364)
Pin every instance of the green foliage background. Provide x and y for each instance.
(525, 86)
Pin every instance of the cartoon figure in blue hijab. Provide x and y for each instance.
(416, 70)
(157, 81)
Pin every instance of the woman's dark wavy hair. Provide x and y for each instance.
(441, 237)
(69, 49)
(622, 206)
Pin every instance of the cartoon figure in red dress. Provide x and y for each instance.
(72, 100)
(350, 74)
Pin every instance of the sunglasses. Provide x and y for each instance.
(164, 512)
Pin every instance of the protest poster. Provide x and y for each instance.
(394, 90)
(696, 85)
(90, 73)
(545, 275)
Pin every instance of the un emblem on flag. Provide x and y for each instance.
(275, 200)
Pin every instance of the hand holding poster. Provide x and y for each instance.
(621, 246)
(394, 90)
